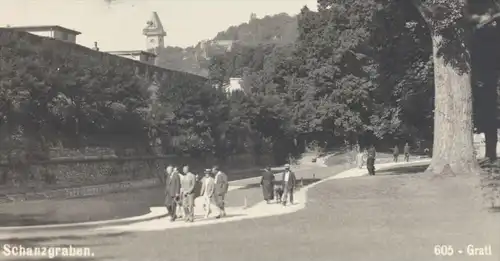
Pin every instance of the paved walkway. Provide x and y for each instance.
(235, 213)
(394, 216)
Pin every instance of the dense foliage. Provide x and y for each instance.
(60, 94)
(270, 30)
(350, 76)
(358, 71)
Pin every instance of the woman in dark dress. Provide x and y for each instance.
(267, 183)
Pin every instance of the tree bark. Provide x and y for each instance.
(453, 140)
(490, 134)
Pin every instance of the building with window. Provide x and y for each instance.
(51, 31)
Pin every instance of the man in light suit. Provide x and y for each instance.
(289, 180)
(221, 187)
(188, 184)
(207, 191)
(172, 192)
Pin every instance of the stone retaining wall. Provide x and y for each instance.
(81, 191)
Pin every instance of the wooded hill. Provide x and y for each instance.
(278, 29)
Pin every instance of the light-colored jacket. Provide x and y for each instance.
(207, 187)
(290, 184)
(188, 182)
(221, 183)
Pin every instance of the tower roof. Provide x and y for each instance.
(154, 26)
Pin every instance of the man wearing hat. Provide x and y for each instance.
(289, 182)
(221, 187)
(207, 191)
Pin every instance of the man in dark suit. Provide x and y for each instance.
(289, 180)
(221, 187)
(370, 162)
(172, 192)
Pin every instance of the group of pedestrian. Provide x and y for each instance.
(406, 151)
(180, 192)
(369, 155)
(366, 157)
(281, 190)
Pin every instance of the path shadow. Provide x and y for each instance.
(495, 210)
(11, 220)
(84, 241)
(300, 183)
(34, 241)
(59, 211)
(415, 169)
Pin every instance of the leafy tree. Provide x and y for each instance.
(485, 74)
(451, 24)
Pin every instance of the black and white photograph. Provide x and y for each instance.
(247, 130)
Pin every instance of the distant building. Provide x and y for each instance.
(227, 44)
(234, 85)
(155, 35)
(210, 48)
(51, 31)
(138, 55)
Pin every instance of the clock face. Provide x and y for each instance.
(152, 40)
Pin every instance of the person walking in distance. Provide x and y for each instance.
(188, 185)
(370, 162)
(395, 153)
(221, 187)
(172, 193)
(289, 181)
(207, 191)
(407, 152)
(267, 184)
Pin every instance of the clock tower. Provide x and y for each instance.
(155, 34)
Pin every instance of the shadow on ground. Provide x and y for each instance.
(37, 241)
(60, 211)
(495, 210)
(415, 169)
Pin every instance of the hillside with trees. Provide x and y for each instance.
(280, 29)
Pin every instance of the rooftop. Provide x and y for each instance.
(154, 26)
(38, 28)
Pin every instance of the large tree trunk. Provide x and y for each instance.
(453, 142)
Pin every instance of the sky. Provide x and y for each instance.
(118, 25)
